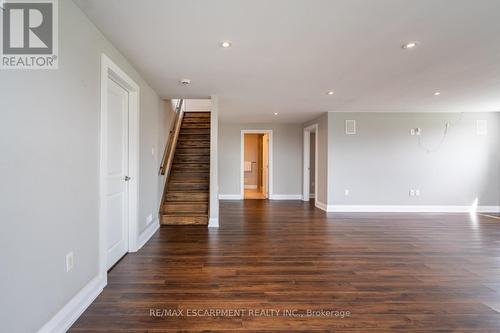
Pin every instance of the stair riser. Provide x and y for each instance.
(197, 115)
(183, 220)
(194, 137)
(189, 176)
(173, 196)
(195, 131)
(195, 125)
(188, 186)
(192, 151)
(196, 120)
(192, 144)
(191, 159)
(194, 167)
(178, 207)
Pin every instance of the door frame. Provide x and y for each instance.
(306, 163)
(109, 70)
(242, 160)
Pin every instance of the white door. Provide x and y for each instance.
(116, 178)
(265, 164)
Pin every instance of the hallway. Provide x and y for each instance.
(391, 272)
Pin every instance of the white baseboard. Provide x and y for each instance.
(250, 187)
(213, 222)
(66, 317)
(230, 197)
(404, 208)
(488, 209)
(285, 197)
(148, 233)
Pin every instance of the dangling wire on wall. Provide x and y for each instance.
(447, 126)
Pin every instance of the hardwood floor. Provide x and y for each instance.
(254, 194)
(392, 272)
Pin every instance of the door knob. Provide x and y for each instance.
(127, 178)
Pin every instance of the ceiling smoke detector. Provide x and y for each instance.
(185, 82)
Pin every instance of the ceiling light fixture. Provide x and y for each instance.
(185, 82)
(226, 44)
(276, 113)
(437, 93)
(330, 92)
(409, 45)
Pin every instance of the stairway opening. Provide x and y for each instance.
(186, 196)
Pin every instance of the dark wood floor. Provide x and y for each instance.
(392, 272)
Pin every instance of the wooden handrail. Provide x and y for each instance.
(168, 154)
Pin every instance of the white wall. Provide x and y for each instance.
(49, 127)
(287, 157)
(382, 162)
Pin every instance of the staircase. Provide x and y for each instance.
(186, 197)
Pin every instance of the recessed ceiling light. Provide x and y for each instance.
(409, 45)
(185, 82)
(226, 44)
(330, 92)
(276, 113)
(437, 93)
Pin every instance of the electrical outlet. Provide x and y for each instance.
(149, 219)
(346, 192)
(412, 131)
(70, 261)
(152, 152)
(417, 193)
(412, 193)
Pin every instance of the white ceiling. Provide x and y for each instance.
(287, 54)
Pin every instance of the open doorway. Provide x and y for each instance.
(310, 163)
(255, 164)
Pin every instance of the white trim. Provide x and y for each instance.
(250, 187)
(405, 208)
(286, 197)
(213, 222)
(147, 234)
(242, 158)
(306, 196)
(488, 209)
(214, 173)
(230, 197)
(321, 205)
(72, 310)
(109, 70)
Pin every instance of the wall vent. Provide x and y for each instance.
(350, 127)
